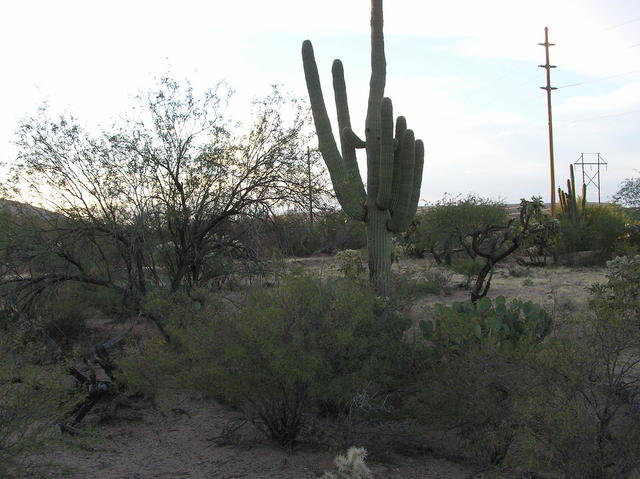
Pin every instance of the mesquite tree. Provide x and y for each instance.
(394, 165)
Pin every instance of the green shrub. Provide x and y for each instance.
(64, 315)
(308, 346)
(601, 229)
(574, 235)
(628, 193)
(480, 352)
(350, 263)
(30, 400)
(441, 229)
(621, 291)
(467, 267)
(431, 280)
(607, 225)
(581, 414)
(295, 235)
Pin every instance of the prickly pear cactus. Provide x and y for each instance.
(394, 161)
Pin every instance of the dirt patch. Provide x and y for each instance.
(185, 438)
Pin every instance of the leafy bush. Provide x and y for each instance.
(441, 229)
(431, 280)
(30, 400)
(607, 225)
(296, 236)
(308, 346)
(64, 315)
(582, 413)
(621, 291)
(601, 229)
(574, 236)
(467, 267)
(480, 354)
(629, 193)
(350, 263)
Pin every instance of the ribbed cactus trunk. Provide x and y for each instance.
(394, 165)
(379, 245)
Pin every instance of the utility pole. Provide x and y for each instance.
(548, 67)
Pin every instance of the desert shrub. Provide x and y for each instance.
(621, 290)
(480, 354)
(540, 244)
(607, 226)
(339, 231)
(350, 263)
(308, 346)
(441, 229)
(628, 193)
(573, 236)
(64, 315)
(582, 413)
(601, 228)
(632, 235)
(295, 235)
(467, 267)
(350, 465)
(406, 285)
(30, 400)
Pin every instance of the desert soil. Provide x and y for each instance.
(188, 437)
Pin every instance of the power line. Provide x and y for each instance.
(599, 79)
(633, 20)
(612, 115)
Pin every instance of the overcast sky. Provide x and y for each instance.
(464, 73)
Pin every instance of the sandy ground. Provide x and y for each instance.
(185, 438)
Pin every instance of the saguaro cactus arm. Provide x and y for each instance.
(354, 140)
(406, 189)
(348, 187)
(344, 125)
(385, 169)
(415, 190)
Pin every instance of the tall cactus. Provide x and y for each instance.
(394, 165)
(569, 200)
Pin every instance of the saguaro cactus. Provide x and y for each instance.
(394, 165)
(569, 200)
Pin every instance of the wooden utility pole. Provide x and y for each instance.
(548, 67)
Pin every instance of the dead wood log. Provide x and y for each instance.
(97, 376)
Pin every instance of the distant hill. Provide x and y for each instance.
(18, 208)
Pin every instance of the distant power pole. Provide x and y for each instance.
(548, 67)
(591, 178)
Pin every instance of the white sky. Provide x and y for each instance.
(464, 73)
